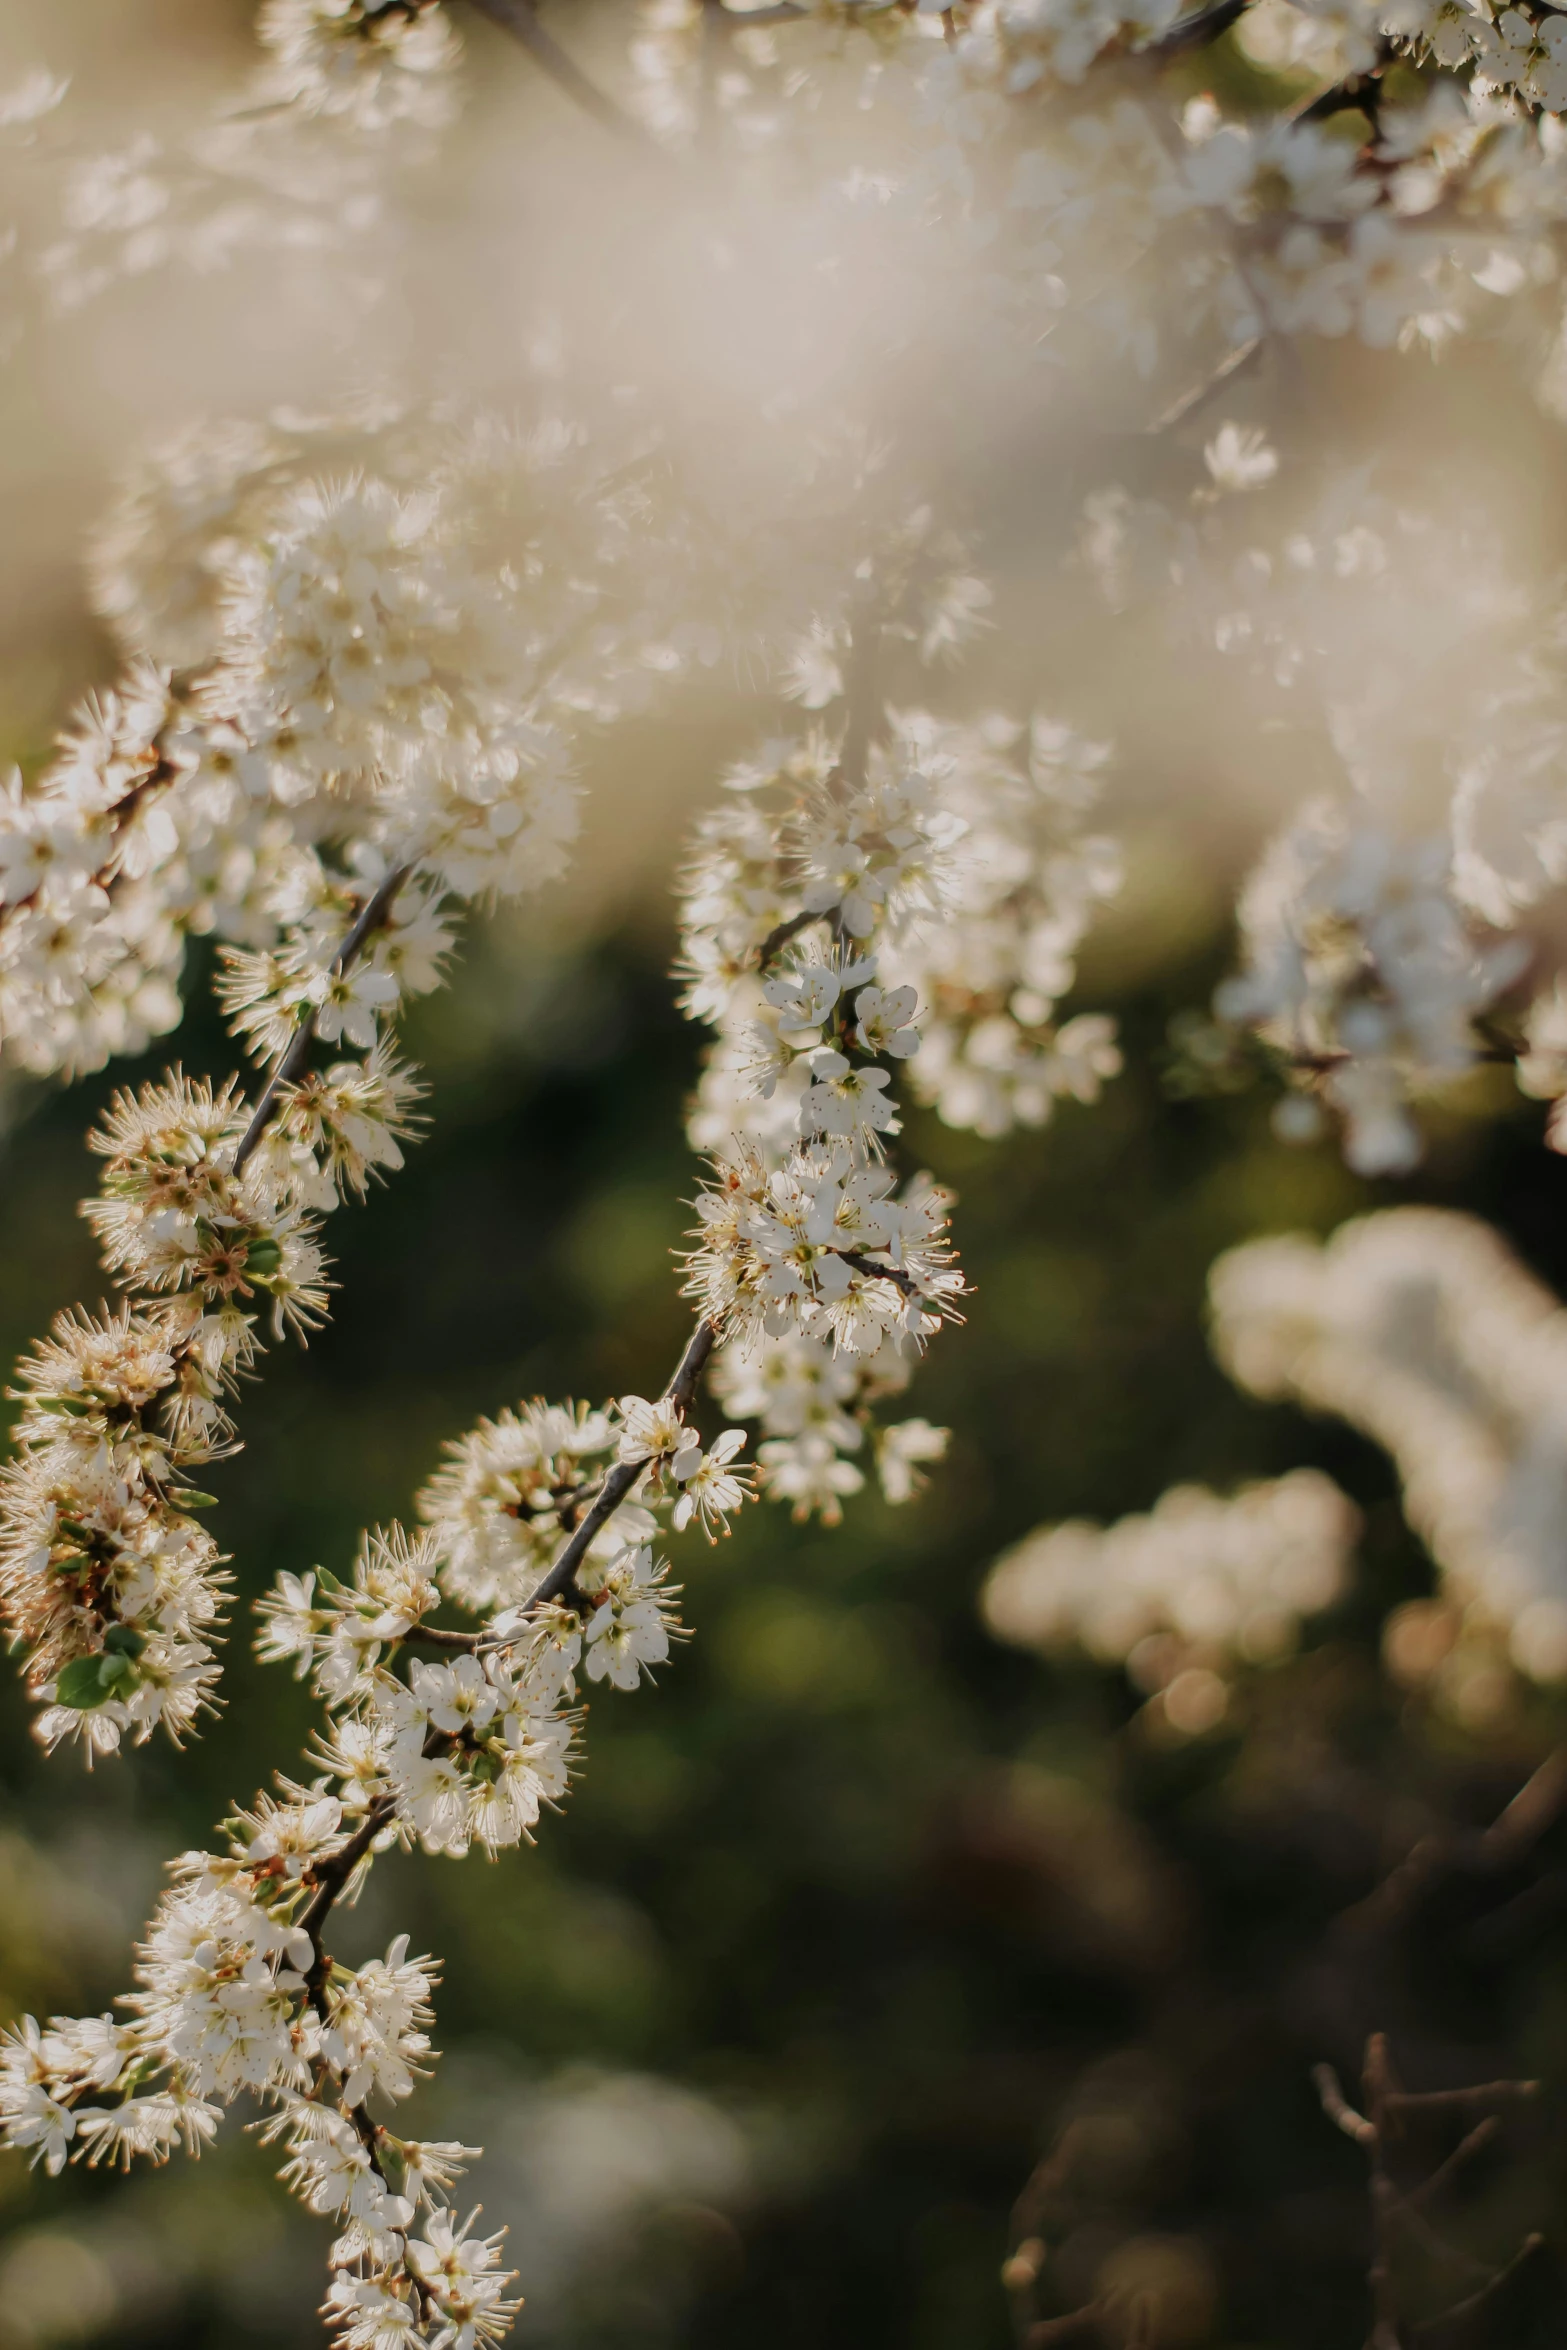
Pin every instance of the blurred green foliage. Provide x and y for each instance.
(898, 1901)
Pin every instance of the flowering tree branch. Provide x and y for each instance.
(295, 1060)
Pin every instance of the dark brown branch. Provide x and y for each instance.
(778, 938)
(1485, 2095)
(1398, 2212)
(292, 1066)
(1536, 1807)
(434, 1636)
(893, 1273)
(1077, 2326)
(623, 1476)
(1443, 2176)
(518, 18)
(1195, 32)
(1449, 2331)
(332, 1874)
(162, 773)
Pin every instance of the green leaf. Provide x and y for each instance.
(123, 1640)
(80, 1683)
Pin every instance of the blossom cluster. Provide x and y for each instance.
(1420, 1327)
(236, 1989)
(1022, 883)
(1186, 1595)
(326, 685)
(1363, 974)
(1382, 929)
(885, 894)
(371, 64)
(345, 97)
(1450, 195)
(207, 1216)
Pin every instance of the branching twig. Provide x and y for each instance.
(778, 938)
(1195, 32)
(1397, 2210)
(292, 1065)
(557, 1584)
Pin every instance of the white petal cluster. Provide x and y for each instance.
(352, 688)
(1092, 191)
(89, 956)
(233, 1994)
(497, 1506)
(1185, 1595)
(1023, 44)
(886, 896)
(442, 1739)
(816, 1406)
(107, 1580)
(370, 64)
(1023, 883)
(805, 1241)
(364, 657)
(354, 643)
(1362, 971)
(821, 1246)
(1420, 1327)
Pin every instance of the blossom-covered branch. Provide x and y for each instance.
(236, 1986)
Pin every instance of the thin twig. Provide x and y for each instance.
(292, 1065)
(1455, 2101)
(1396, 2211)
(1467, 2148)
(1337, 2106)
(893, 1273)
(623, 1476)
(518, 18)
(333, 1873)
(779, 937)
(1438, 2332)
(1195, 32)
(1190, 401)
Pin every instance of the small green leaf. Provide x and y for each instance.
(123, 1640)
(80, 1684)
(117, 1673)
(263, 1256)
(189, 1499)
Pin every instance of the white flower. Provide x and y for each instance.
(1239, 458)
(710, 1489)
(884, 1021)
(808, 1472)
(630, 1626)
(654, 1431)
(844, 1100)
(901, 1451)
